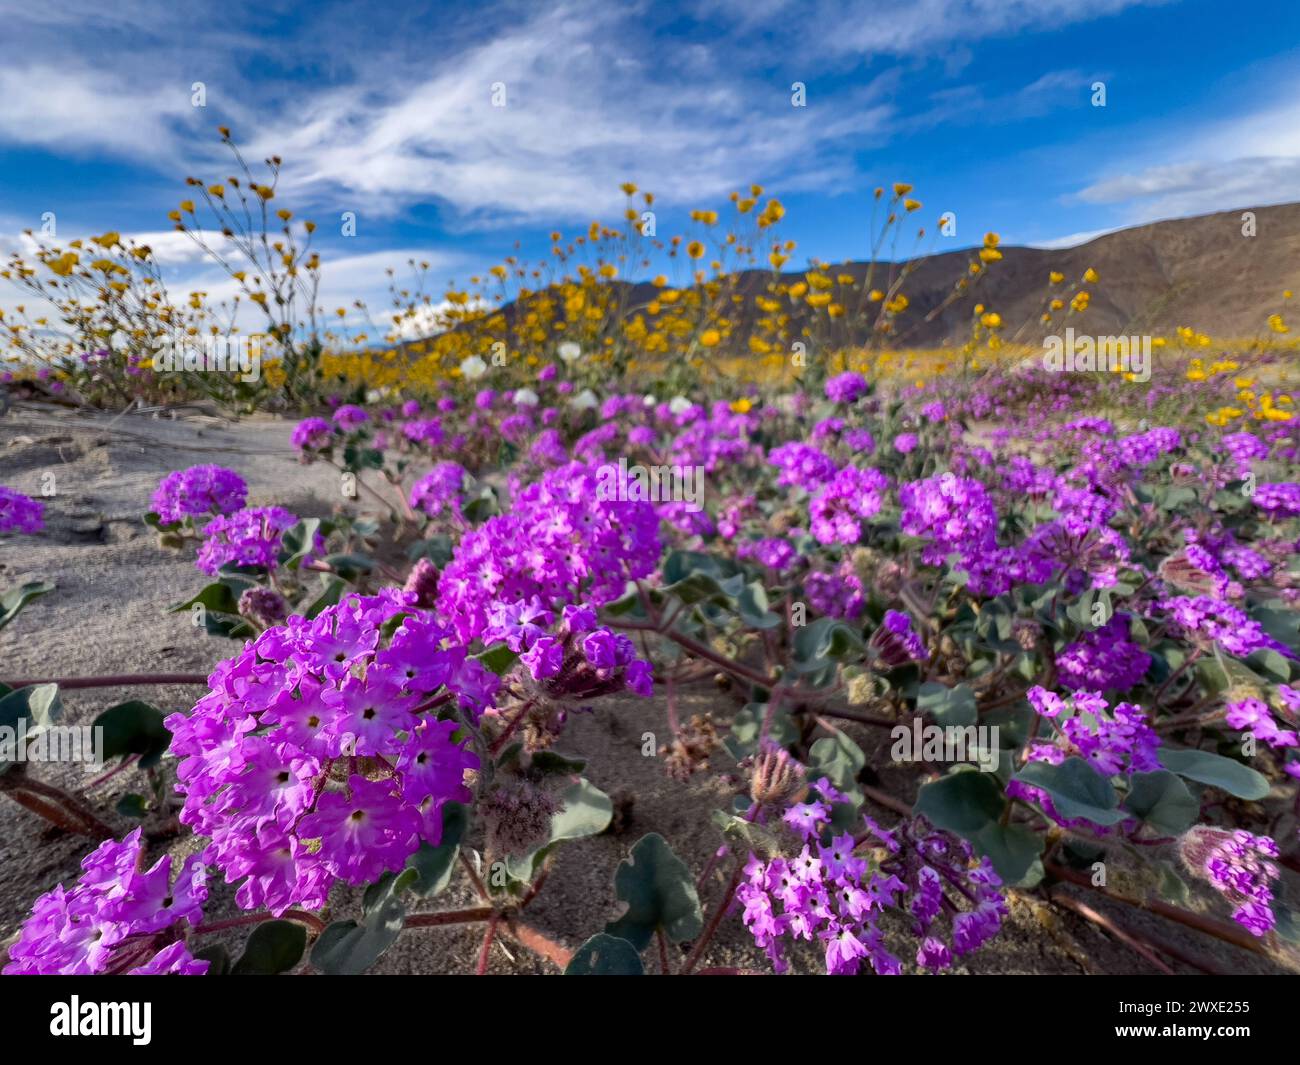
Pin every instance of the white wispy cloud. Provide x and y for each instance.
(911, 27)
(582, 112)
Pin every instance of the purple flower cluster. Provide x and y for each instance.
(20, 513)
(200, 490)
(847, 387)
(1104, 659)
(774, 553)
(1206, 619)
(838, 508)
(1278, 500)
(1253, 716)
(838, 594)
(350, 417)
(1118, 742)
(802, 465)
(1239, 865)
(829, 894)
(318, 753)
(439, 489)
(1243, 447)
(1112, 742)
(955, 514)
(118, 918)
(426, 431)
(246, 538)
(560, 542)
(312, 434)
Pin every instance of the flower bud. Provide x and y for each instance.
(263, 606)
(775, 777)
(423, 581)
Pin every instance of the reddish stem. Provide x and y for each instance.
(437, 920)
(119, 680)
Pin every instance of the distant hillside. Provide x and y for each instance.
(1199, 272)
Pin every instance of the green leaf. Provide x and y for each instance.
(349, 566)
(132, 805)
(14, 599)
(751, 837)
(434, 865)
(948, 706)
(1162, 800)
(1280, 622)
(298, 542)
(752, 605)
(1215, 770)
(1172, 886)
(218, 597)
(747, 724)
(498, 658)
(37, 704)
(274, 947)
(1013, 849)
(839, 758)
(605, 955)
(1076, 789)
(555, 763)
(152, 520)
(347, 948)
(965, 802)
(484, 506)
(437, 549)
(217, 957)
(660, 894)
(1271, 664)
(134, 727)
(334, 589)
(825, 639)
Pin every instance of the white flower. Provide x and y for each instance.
(679, 405)
(570, 352)
(525, 397)
(374, 396)
(585, 400)
(473, 368)
(650, 401)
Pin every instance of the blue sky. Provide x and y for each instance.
(385, 110)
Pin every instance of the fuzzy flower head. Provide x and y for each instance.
(894, 643)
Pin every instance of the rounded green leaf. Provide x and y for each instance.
(605, 955)
(274, 947)
(660, 893)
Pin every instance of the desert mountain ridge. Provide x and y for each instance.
(1202, 272)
